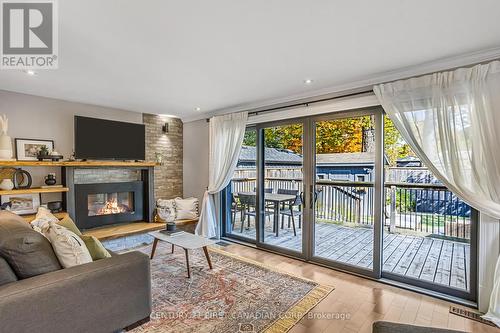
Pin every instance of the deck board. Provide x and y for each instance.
(430, 259)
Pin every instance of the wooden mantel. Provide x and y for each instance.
(78, 164)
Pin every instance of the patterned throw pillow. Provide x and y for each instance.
(166, 210)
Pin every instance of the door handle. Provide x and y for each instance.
(311, 197)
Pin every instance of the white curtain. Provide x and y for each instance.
(226, 135)
(452, 122)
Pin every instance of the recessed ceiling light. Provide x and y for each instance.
(197, 109)
(30, 72)
(308, 81)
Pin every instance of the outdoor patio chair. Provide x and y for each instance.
(235, 208)
(248, 203)
(290, 211)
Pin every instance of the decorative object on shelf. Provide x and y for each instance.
(50, 179)
(22, 203)
(7, 172)
(29, 149)
(159, 158)
(6, 206)
(55, 206)
(5, 140)
(22, 179)
(6, 184)
(54, 156)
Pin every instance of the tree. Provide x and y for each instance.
(335, 136)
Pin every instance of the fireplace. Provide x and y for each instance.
(108, 203)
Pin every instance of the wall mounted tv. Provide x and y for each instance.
(99, 139)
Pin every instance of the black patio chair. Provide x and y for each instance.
(248, 203)
(235, 208)
(289, 211)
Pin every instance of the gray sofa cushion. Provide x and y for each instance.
(28, 252)
(387, 327)
(6, 273)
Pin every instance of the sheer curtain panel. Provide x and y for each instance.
(452, 122)
(226, 135)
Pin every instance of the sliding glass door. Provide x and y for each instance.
(281, 187)
(429, 234)
(346, 217)
(241, 223)
(345, 190)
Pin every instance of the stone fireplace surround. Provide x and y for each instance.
(84, 181)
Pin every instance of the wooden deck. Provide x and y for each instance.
(430, 259)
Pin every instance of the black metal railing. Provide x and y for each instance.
(418, 207)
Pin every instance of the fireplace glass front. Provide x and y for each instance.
(111, 203)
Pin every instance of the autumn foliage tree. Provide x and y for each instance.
(335, 136)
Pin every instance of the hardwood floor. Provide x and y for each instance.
(361, 301)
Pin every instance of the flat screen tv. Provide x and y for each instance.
(99, 139)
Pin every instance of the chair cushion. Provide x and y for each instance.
(26, 251)
(6, 273)
(95, 247)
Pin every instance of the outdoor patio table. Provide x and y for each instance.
(276, 199)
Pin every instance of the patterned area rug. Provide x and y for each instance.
(238, 295)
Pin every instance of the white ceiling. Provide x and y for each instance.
(169, 57)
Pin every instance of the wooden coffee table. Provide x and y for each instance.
(183, 240)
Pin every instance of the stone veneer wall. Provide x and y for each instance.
(106, 175)
(168, 177)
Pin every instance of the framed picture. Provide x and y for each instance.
(27, 149)
(22, 203)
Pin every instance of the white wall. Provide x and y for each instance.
(35, 117)
(195, 160)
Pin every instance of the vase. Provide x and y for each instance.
(5, 147)
(6, 184)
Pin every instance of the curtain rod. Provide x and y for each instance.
(288, 106)
(364, 90)
(254, 113)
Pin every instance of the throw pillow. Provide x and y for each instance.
(95, 247)
(43, 216)
(187, 209)
(6, 273)
(68, 246)
(166, 210)
(26, 251)
(68, 223)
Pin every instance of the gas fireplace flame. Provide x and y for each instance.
(112, 207)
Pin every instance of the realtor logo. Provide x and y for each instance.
(29, 34)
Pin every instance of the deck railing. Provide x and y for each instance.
(425, 208)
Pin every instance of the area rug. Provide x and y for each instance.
(238, 295)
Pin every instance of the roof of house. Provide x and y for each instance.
(285, 156)
(364, 158)
(273, 155)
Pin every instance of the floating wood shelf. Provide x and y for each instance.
(78, 164)
(35, 190)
